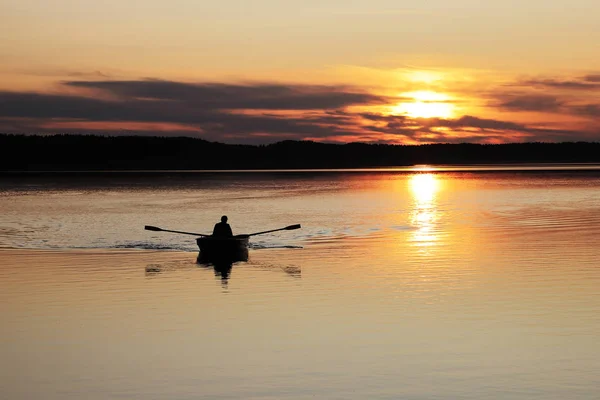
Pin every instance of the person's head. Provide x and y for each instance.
(224, 218)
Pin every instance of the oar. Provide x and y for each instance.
(287, 228)
(157, 229)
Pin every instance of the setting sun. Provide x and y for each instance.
(425, 104)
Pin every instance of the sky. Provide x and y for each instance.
(262, 71)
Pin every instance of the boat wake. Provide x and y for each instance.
(257, 246)
(152, 246)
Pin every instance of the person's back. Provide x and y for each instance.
(222, 229)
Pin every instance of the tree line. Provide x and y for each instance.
(97, 152)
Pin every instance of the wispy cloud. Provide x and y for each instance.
(588, 82)
(592, 78)
(230, 96)
(588, 110)
(64, 73)
(263, 112)
(527, 102)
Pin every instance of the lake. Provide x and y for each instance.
(414, 283)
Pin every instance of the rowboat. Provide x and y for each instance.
(222, 249)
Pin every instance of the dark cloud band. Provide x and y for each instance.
(260, 113)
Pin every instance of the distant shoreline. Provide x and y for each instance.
(521, 167)
(139, 154)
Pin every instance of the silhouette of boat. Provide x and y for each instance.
(222, 249)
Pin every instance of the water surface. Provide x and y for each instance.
(417, 284)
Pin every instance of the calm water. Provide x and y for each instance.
(400, 285)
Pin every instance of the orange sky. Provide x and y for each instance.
(339, 71)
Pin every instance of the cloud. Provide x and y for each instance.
(63, 72)
(592, 78)
(256, 113)
(469, 121)
(230, 96)
(589, 82)
(588, 110)
(220, 110)
(32, 107)
(36, 105)
(528, 102)
(477, 130)
(547, 103)
(88, 74)
(566, 96)
(41, 105)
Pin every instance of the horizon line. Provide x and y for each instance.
(108, 135)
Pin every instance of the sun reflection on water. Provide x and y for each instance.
(424, 214)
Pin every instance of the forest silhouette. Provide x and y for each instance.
(96, 152)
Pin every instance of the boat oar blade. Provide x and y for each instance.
(157, 229)
(287, 228)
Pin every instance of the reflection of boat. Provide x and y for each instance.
(221, 253)
(219, 250)
(223, 270)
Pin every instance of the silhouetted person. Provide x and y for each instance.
(222, 229)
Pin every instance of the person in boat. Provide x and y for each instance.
(222, 229)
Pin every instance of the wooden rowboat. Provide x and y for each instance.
(222, 249)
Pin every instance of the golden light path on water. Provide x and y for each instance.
(424, 215)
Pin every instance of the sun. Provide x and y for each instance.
(425, 104)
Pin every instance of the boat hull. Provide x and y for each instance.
(222, 250)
